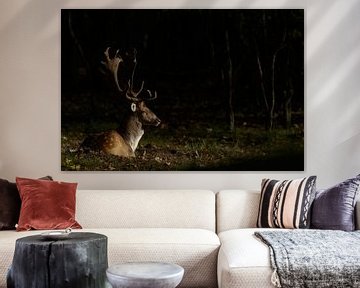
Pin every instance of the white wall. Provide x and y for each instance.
(30, 94)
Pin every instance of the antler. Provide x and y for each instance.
(130, 93)
(151, 96)
(112, 64)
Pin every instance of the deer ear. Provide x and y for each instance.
(133, 107)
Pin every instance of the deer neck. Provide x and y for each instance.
(131, 131)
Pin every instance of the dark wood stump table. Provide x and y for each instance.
(80, 261)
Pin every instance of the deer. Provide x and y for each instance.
(125, 139)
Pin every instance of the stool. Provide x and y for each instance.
(145, 275)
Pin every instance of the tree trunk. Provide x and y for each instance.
(272, 107)
(78, 261)
(231, 115)
(288, 97)
(288, 112)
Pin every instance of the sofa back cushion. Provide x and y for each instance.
(146, 209)
(236, 209)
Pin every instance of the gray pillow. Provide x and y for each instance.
(334, 208)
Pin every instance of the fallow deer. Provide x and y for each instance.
(125, 139)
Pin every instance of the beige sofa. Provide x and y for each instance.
(243, 261)
(177, 226)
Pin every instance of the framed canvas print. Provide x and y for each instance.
(182, 90)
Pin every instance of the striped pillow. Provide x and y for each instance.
(286, 204)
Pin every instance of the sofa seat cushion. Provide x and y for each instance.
(196, 250)
(244, 261)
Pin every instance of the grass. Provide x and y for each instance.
(194, 148)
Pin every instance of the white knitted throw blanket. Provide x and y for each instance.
(313, 258)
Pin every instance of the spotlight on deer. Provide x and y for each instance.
(125, 139)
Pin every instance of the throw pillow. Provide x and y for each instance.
(46, 204)
(286, 204)
(334, 208)
(10, 204)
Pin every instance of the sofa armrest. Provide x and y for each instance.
(357, 215)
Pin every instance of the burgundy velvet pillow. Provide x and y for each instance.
(46, 204)
(334, 208)
(10, 204)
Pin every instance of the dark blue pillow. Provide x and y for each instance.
(334, 208)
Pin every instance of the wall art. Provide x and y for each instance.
(182, 90)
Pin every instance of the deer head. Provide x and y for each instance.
(135, 99)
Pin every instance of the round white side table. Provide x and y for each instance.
(145, 275)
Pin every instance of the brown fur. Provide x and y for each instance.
(124, 141)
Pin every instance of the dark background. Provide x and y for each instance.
(222, 70)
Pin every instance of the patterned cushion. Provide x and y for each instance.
(286, 204)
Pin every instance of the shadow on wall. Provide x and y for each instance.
(35, 15)
(334, 62)
(321, 44)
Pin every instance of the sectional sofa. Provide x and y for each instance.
(209, 234)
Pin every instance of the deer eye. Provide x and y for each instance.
(133, 107)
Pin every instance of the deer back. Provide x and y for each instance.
(109, 142)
